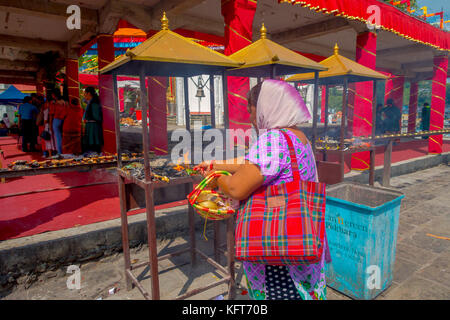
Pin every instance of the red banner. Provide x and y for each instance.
(392, 19)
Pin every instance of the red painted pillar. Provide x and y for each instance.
(40, 89)
(238, 16)
(322, 105)
(412, 111)
(366, 48)
(105, 44)
(438, 93)
(157, 114)
(73, 84)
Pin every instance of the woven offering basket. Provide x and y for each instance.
(200, 199)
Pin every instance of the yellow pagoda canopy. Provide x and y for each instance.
(339, 67)
(262, 55)
(170, 54)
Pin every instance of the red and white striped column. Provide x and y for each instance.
(366, 48)
(438, 93)
(105, 44)
(73, 85)
(238, 16)
(412, 111)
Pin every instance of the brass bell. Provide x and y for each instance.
(200, 93)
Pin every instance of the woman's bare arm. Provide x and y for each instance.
(243, 183)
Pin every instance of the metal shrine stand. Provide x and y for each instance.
(170, 55)
(341, 71)
(126, 202)
(387, 164)
(326, 168)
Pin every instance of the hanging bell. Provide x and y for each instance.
(200, 93)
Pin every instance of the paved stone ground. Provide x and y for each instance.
(421, 268)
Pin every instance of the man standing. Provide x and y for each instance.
(379, 125)
(426, 111)
(27, 123)
(393, 117)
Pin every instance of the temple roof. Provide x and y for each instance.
(261, 54)
(338, 68)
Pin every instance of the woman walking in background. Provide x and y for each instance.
(58, 111)
(93, 117)
(48, 145)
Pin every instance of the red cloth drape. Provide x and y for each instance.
(392, 19)
(238, 16)
(438, 93)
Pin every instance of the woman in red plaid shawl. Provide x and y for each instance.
(274, 106)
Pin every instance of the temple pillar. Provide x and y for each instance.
(366, 48)
(412, 110)
(322, 104)
(238, 16)
(73, 85)
(105, 44)
(40, 89)
(438, 94)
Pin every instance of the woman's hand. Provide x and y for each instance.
(205, 168)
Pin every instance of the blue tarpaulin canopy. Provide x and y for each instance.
(12, 96)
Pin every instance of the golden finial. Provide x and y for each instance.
(263, 31)
(336, 49)
(164, 22)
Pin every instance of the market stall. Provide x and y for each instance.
(340, 71)
(165, 54)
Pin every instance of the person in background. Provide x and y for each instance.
(39, 101)
(27, 123)
(6, 120)
(58, 111)
(379, 126)
(48, 146)
(393, 117)
(71, 133)
(93, 117)
(36, 102)
(425, 122)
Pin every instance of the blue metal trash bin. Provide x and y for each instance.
(361, 224)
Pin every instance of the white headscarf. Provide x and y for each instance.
(280, 105)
